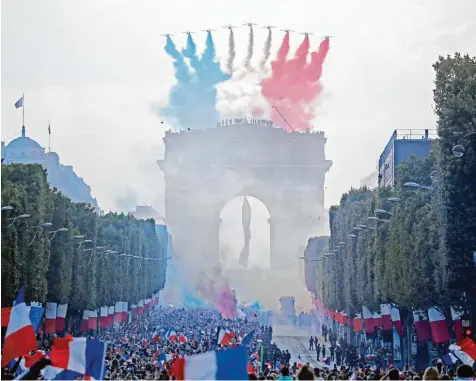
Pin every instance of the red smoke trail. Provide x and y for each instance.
(294, 84)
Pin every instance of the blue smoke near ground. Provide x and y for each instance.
(192, 100)
(177, 290)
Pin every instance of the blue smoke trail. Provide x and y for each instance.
(192, 101)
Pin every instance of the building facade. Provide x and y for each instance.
(24, 150)
(402, 145)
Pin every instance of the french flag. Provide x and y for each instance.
(110, 316)
(84, 321)
(225, 337)
(118, 312)
(20, 337)
(358, 323)
(103, 319)
(385, 309)
(171, 335)
(439, 328)
(397, 323)
(422, 326)
(50, 313)
(125, 315)
(61, 317)
(133, 311)
(465, 350)
(81, 355)
(230, 364)
(377, 320)
(457, 323)
(368, 320)
(140, 308)
(93, 320)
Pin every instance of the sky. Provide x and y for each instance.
(97, 71)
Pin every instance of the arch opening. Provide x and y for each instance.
(244, 236)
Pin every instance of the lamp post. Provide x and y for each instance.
(459, 150)
(44, 225)
(20, 217)
(412, 184)
(7, 207)
(54, 232)
(84, 241)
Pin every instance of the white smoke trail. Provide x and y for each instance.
(231, 51)
(266, 51)
(249, 56)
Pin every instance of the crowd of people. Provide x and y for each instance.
(147, 348)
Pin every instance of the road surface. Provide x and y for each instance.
(296, 340)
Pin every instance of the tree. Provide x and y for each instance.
(455, 106)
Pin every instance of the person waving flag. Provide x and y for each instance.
(20, 336)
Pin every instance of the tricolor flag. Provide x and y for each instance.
(19, 103)
(465, 350)
(397, 323)
(231, 364)
(133, 311)
(422, 326)
(368, 320)
(439, 328)
(125, 315)
(20, 337)
(140, 308)
(171, 335)
(224, 337)
(457, 323)
(377, 320)
(247, 339)
(61, 317)
(81, 355)
(118, 312)
(358, 323)
(84, 322)
(93, 320)
(110, 316)
(385, 310)
(50, 322)
(103, 318)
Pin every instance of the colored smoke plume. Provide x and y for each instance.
(267, 50)
(241, 95)
(231, 51)
(293, 86)
(249, 54)
(192, 100)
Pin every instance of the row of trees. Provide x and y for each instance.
(423, 255)
(63, 269)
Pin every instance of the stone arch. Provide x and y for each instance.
(203, 169)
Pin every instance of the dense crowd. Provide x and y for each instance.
(147, 348)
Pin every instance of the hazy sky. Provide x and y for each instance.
(97, 69)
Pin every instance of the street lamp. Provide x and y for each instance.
(79, 236)
(20, 217)
(372, 218)
(44, 225)
(412, 184)
(7, 207)
(85, 241)
(458, 149)
(394, 199)
(382, 211)
(57, 231)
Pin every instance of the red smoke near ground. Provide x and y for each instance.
(294, 84)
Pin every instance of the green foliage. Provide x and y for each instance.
(422, 256)
(63, 269)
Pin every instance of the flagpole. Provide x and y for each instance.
(23, 109)
(49, 137)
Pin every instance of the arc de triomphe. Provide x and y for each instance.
(204, 169)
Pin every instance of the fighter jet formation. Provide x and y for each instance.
(250, 24)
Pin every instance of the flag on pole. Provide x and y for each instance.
(19, 103)
(49, 128)
(20, 337)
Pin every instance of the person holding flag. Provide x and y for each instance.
(20, 337)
